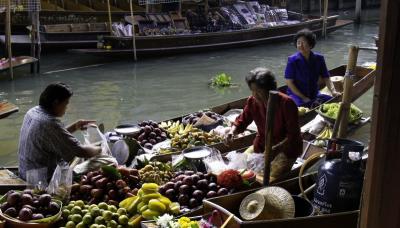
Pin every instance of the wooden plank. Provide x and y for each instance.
(381, 201)
(7, 109)
(17, 61)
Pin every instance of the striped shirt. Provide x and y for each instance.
(44, 141)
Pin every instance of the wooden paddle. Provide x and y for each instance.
(269, 124)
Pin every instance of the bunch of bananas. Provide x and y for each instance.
(326, 133)
(156, 172)
(183, 137)
(149, 203)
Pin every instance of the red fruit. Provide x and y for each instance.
(124, 171)
(96, 193)
(230, 179)
(120, 184)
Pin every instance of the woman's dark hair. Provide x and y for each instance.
(263, 78)
(55, 92)
(308, 34)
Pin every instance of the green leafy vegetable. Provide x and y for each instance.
(221, 80)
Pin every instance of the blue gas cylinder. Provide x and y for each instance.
(339, 182)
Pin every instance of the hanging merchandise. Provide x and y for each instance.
(339, 182)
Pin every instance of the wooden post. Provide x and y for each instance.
(206, 7)
(109, 16)
(133, 32)
(8, 38)
(381, 202)
(325, 20)
(358, 11)
(340, 127)
(269, 125)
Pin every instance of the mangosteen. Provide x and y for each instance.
(193, 203)
(170, 193)
(213, 186)
(198, 194)
(37, 216)
(36, 203)
(222, 191)
(202, 184)
(4, 206)
(162, 190)
(12, 212)
(169, 185)
(159, 139)
(152, 141)
(184, 189)
(211, 194)
(14, 198)
(183, 199)
(26, 199)
(54, 208)
(188, 181)
(177, 185)
(152, 135)
(28, 191)
(25, 214)
(195, 178)
(189, 172)
(148, 145)
(44, 200)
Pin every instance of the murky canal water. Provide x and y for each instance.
(116, 92)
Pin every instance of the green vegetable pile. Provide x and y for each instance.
(221, 80)
(331, 110)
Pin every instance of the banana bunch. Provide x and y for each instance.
(326, 133)
(149, 203)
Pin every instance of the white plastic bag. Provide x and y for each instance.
(215, 163)
(237, 160)
(60, 184)
(93, 136)
(255, 162)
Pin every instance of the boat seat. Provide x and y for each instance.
(79, 27)
(99, 27)
(56, 28)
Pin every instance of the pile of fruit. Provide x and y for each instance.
(332, 110)
(194, 117)
(150, 134)
(149, 203)
(77, 214)
(189, 188)
(26, 206)
(156, 172)
(108, 184)
(183, 137)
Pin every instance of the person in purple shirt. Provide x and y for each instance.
(304, 70)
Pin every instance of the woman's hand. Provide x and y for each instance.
(229, 137)
(79, 125)
(335, 93)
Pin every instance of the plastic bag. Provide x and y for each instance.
(237, 160)
(215, 163)
(93, 136)
(255, 162)
(60, 184)
(37, 178)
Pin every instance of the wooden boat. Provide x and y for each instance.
(17, 62)
(171, 44)
(364, 80)
(7, 109)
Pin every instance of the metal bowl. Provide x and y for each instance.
(196, 155)
(131, 130)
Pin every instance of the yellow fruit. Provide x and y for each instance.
(145, 207)
(174, 208)
(146, 198)
(126, 202)
(149, 188)
(165, 201)
(135, 221)
(150, 214)
(156, 205)
(140, 205)
(133, 207)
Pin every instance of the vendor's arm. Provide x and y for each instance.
(79, 125)
(67, 146)
(242, 121)
(326, 76)
(330, 87)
